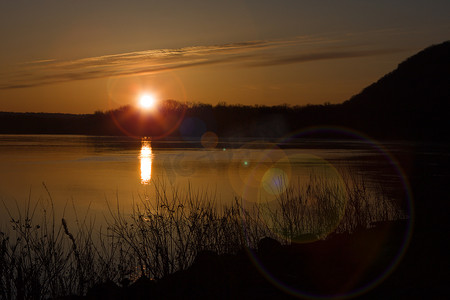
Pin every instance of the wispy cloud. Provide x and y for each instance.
(247, 54)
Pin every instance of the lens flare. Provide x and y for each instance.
(342, 265)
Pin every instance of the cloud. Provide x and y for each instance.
(301, 58)
(246, 54)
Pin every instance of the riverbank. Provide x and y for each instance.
(342, 265)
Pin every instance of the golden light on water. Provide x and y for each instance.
(146, 162)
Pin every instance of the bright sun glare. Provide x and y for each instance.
(147, 101)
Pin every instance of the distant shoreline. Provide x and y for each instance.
(238, 121)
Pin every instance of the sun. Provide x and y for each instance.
(147, 101)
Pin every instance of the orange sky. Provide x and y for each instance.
(78, 57)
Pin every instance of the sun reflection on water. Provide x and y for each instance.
(146, 162)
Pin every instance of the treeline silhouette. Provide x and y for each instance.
(409, 103)
(175, 119)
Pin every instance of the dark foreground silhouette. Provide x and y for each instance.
(337, 267)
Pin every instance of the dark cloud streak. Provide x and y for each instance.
(246, 54)
(302, 58)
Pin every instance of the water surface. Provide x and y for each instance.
(88, 172)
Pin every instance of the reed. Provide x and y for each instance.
(42, 255)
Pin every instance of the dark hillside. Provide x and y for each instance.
(410, 102)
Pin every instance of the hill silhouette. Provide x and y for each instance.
(410, 103)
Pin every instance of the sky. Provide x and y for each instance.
(79, 56)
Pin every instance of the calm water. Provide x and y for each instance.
(89, 172)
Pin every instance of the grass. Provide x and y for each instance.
(44, 256)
